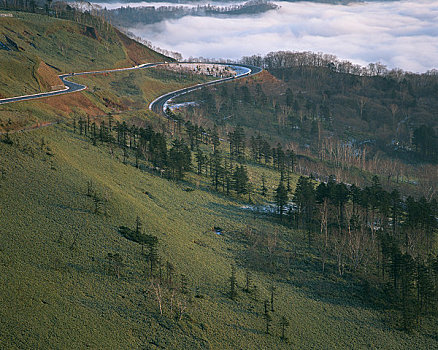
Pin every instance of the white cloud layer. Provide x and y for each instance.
(400, 34)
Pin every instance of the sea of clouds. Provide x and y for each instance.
(401, 34)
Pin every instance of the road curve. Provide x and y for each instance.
(160, 103)
(71, 86)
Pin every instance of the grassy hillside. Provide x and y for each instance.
(60, 285)
(121, 93)
(65, 46)
(47, 46)
(60, 294)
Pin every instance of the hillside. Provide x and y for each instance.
(121, 229)
(301, 101)
(41, 47)
(36, 48)
(60, 293)
(340, 119)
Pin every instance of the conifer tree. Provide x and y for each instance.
(264, 189)
(284, 323)
(268, 320)
(240, 180)
(215, 139)
(272, 290)
(281, 198)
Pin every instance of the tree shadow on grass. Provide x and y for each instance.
(303, 270)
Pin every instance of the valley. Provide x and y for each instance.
(289, 202)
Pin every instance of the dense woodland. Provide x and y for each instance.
(85, 13)
(317, 97)
(396, 109)
(128, 16)
(338, 118)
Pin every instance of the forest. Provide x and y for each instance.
(129, 16)
(338, 118)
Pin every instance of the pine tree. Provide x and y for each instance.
(138, 225)
(304, 197)
(268, 320)
(200, 160)
(216, 168)
(284, 323)
(153, 256)
(81, 125)
(169, 274)
(272, 290)
(264, 189)
(408, 302)
(215, 139)
(281, 198)
(240, 180)
(180, 159)
(138, 155)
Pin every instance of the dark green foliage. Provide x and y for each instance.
(141, 238)
(284, 323)
(268, 321)
(281, 198)
(7, 139)
(217, 170)
(426, 143)
(304, 197)
(180, 159)
(170, 271)
(240, 180)
(237, 143)
(215, 141)
(201, 160)
(272, 290)
(398, 235)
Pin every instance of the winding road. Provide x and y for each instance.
(71, 86)
(158, 105)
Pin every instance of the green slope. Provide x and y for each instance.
(66, 46)
(57, 294)
(56, 287)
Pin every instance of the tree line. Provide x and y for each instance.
(126, 16)
(372, 233)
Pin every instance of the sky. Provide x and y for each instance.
(399, 34)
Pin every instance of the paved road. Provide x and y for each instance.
(159, 105)
(71, 86)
